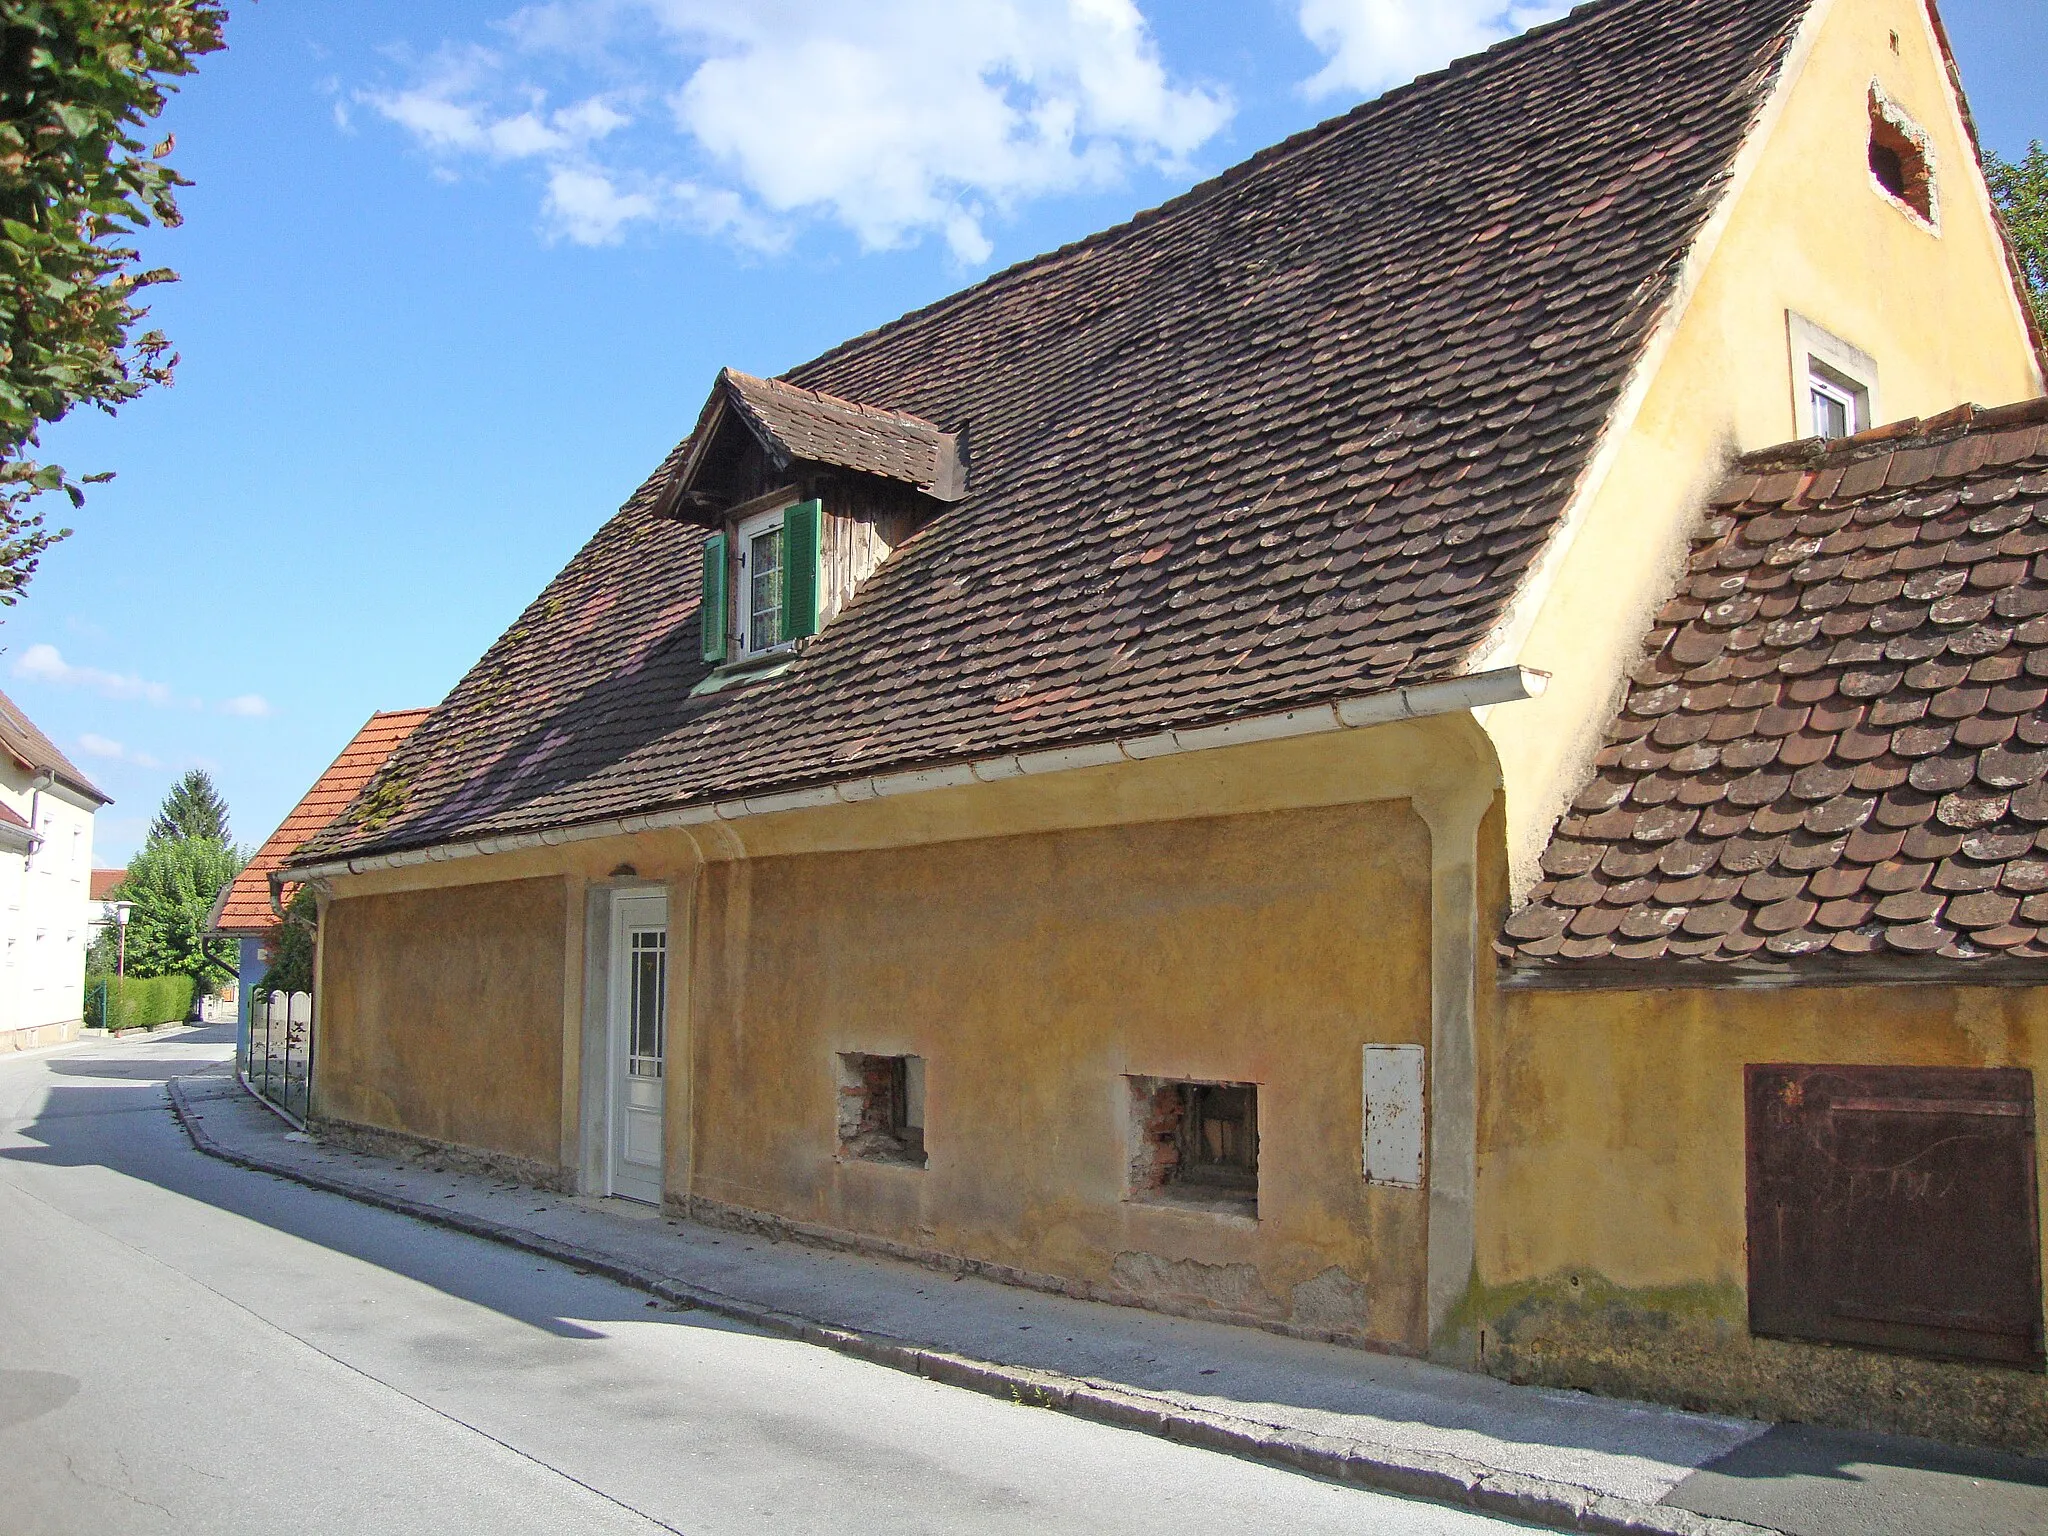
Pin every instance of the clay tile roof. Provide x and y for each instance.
(242, 909)
(1299, 434)
(104, 883)
(9, 816)
(36, 753)
(1833, 754)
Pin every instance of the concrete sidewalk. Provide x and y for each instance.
(1561, 1459)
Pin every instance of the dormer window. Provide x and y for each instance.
(760, 583)
(765, 456)
(770, 563)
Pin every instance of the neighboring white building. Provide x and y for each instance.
(46, 811)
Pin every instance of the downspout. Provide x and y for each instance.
(42, 781)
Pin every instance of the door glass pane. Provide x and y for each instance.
(764, 589)
(648, 1002)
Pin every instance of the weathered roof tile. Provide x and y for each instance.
(1276, 369)
(1898, 804)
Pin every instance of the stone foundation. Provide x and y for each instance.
(1691, 1347)
(443, 1156)
(35, 1036)
(1323, 1308)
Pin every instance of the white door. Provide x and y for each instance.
(639, 1029)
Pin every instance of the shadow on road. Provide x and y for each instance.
(109, 1109)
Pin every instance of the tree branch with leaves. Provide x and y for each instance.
(80, 81)
(2020, 188)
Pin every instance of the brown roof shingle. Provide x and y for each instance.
(243, 906)
(1835, 749)
(1298, 434)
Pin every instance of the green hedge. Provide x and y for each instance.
(137, 1000)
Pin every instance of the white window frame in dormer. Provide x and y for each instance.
(753, 620)
(1829, 374)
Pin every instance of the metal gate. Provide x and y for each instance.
(280, 1068)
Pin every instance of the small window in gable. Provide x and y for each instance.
(1901, 159)
(1834, 385)
(1840, 407)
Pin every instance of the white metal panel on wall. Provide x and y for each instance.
(1394, 1115)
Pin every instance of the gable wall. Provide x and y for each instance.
(1808, 232)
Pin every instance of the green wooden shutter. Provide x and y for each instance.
(712, 610)
(803, 528)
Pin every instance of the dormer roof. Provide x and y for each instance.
(795, 425)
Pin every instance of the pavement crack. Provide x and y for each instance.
(101, 1486)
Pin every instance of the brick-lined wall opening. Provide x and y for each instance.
(881, 1108)
(1898, 159)
(1195, 1144)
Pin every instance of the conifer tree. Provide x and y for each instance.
(192, 810)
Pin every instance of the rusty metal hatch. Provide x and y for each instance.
(1894, 1207)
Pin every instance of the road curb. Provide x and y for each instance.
(1438, 1479)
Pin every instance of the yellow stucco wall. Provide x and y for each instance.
(1032, 973)
(441, 1015)
(1807, 231)
(1611, 1246)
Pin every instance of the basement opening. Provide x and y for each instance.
(1195, 1144)
(881, 1108)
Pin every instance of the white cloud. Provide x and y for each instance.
(894, 119)
(44, 663)
(1372, 44)
(102, 746)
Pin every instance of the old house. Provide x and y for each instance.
(1069, 783)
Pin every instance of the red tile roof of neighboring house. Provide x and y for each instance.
(36, 753)
(104, 881)
(1298, 435)
(243, 908)
(1834, 754)
(11, 817)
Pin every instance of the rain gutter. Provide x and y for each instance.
(1478, 690)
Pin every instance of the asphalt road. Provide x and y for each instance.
(189, 1347)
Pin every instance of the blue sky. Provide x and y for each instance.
(456, 276)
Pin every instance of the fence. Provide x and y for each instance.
(280, 1067)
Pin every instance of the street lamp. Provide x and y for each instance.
(121, 940)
